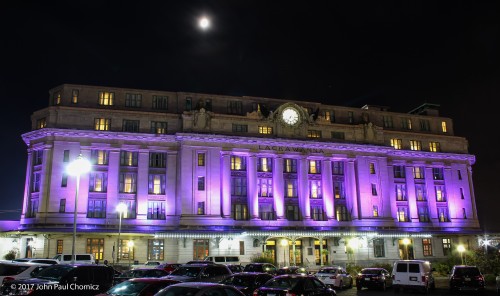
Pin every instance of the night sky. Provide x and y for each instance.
(348, 53)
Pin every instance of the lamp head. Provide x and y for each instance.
(78, 167)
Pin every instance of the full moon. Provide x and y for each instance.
(204, 23)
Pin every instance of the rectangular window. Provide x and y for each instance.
(424, 125)
(242, 248)
(130, 212)
(265, 164)
(41, 123)
(201, 159)
(128, 158)
(265, 130)
(239, 186)
(387, 121)
(459, 174)
(290, 165)
(317, 213)
(462, 196)
(375, 211)
(95, 246)
(374, 189)
(415, 145)
(406, 123)
(446, 246)
(240, 128)
(64, 180)
(189, 104)
(60, 245)
(239, 211)
(35, 185)
(99, 157)
(338, 189)
(156, 210)
(32, 208)
(160, 102)
(56, 98)
(443, 214)
(418, 172)
(327, 115)
(338, 135)
(156, 184)
(266, 211)
(293, 213)
(464, 213)
(201, 208)
(420, 192)
(98, 181)
(155, 249)
(440, 193)
(314, 166)
(378, 248)
(332, 117)
(350, 117)
(201, 183)
(315, 189)
(427, 246)
(238, 163)
(96, 208)
(37, 157)
(124, 251)
(234, 107)
(337, 167)
(341, 213)
(397, 144)
(399, 171)
(423, 214)
(102, 124)
(291, 188)
(200, 248)
(434, 147)
(372, 168)
(443, 126)
(106, 98)
(313, 134)
(66, 156)
(400, 192)
(133, 100)
(265, 187)
(157, 160)
(158, 127)
(62, 205)
(130, 126)
(128, 182)
(403, 214)
(437, 173)
(74, 96)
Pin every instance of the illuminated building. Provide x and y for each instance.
(208, 174)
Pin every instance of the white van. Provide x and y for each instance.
(223, 259)
(413, 274)
(79, 258)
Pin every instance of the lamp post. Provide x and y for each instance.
(76, 168)
(406, 242)
(130, 245)
(284, 244)
(353, 244)
(461, 250)
(120, 208)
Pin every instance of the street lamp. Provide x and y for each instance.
(130, 245)
(76, 168)
(284, 243)
(120, 208)
(461, 250)
(406, 242)
(353, 244)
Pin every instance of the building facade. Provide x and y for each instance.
(199, 174)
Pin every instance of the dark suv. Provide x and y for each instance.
(466, 278)
(64, 279)
(200, 273)
(261, 267)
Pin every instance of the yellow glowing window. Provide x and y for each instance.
(443, 126)
(266, 130)
(290, 189)
(415, 145)
(372, 168)
(314, 167)
(106, 98)
(315, 189)
(41, 123)
(328, 115)
(74, 96)
(264, 164)
(102, 124)
(156, 184)
(397, 143)
(313, 134)
(98, 183)
(402, 215)
(201, 159)
(434, 147)
(418, 172)
(439, 194)
(237, 163)
(129, 184)
(375, 211)
(101, 157)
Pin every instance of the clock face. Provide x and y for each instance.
(290, 116)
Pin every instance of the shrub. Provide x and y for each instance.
(353, 269)
(489, 278)
(11, 255)
(385, 266)
(262, 258)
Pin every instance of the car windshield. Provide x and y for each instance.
(282, 283)
(54, 272)
(371, 271)
(190, 271)
(328, 270)
(467, 271)
(252, 268)
(127, 288)
(239, 281)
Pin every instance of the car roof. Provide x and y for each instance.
(198, 285)
(295, 275)
(153, 280)
(15, 263)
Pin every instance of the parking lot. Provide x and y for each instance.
(441, 289)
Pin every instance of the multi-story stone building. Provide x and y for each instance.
(203, 174)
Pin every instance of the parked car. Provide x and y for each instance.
(294, 284)
(466, 278)
(79, 259)
(235, 267)
(292, 270)
(36, 260)
(200, 262)
(139, 287)
(199, 289)
(247, 282)
(413, 274)
(147, 264)
(168, 267)
(140, 273)
(200, 273)
(335, 277)
(10, 271)
(223, 259)
(260, 267)
(374, 277)
(95, 278)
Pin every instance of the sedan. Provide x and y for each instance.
(247, 282)
(335, 277)
(294, 284)
(139, 287)
(199, 289)
(374, 278)
(140, 273)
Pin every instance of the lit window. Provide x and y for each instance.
(341, 213)
(418, 172)
(397, 144)
(372, 168)
(420, 192)
(427, 246)
(128, 182)
(95, 246)
(265, 187)
(201, 159)
(106, 98)
(402, 214)
(102, 124)
(156, 184)
(375, 211)
(315, 189)
(155, 249)
(313, 134)
(98, 181)
(314, 166)
(60, 246)
(266, 130)
(74, 96)
(290, 165)
(99, 157)
(400, 192)
(156, 210)
(41, 123)
(446, 246)
(57, 98)
(238, 163)
(264, 164)
(130, 209)
(415, 145)
(128, 158)
(291, 188)
(434, 147)
(158, 127)
(160, 102)
(338, 190)
(406, 123)
(201, 208)
(443, 126)
(443, 215)
(440, 193)
(327, 115)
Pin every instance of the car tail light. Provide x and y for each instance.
(333, 277)
(7, 279)
(290, 294)
(255, 292)
(479, 277)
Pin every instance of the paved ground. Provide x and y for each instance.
(441, 289)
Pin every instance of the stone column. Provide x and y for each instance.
(352, 193)
(171, 183)
(431, 196)
(410, 194)
(113, 179)
(278, 188)
(142, 184)
(327, 188)
(253, 199)
(226, 184)
(303, 189)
